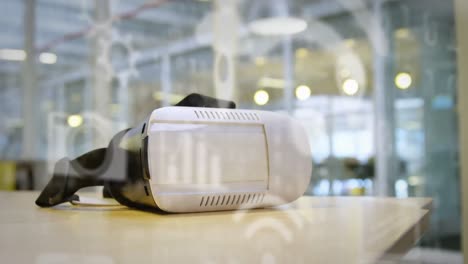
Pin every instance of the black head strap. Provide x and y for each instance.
(93, 168)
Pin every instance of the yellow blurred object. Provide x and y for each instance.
(302, 53)
(358, 191)
(7, 175)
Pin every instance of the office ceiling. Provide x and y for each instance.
(180, 27)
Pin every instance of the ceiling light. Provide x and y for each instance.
(47, 58)
(303, 92)
(403, 80)
(12, 54)
(271, 83)
(278, 26)
(350, 87)
(75, 120)
(261, 97)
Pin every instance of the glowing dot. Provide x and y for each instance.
(75, 120)
(350, 87)
(350, 43)
(303, 92)
(402, 33)
(302, 53)
(261, 97)
(403, 80)
(47, 58)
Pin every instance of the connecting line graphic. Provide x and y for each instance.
(105, 44)
(108, 37)
(82, 33)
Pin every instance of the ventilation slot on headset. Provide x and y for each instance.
(236, 199)
(225, 115)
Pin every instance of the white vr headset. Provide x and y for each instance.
(194, 159)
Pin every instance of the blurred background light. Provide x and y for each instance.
(48, 58)
(403, 80)
(275, 18)
(261, 97)
(302, 53)
(75, 120)
(303, 92)
(172, 98)
(278, 26)
(271, 83)
(402, 33)
(350, 87)
(322, 188)
(12, 54)
(349, 43)
(260, 61)
(337, 187)
(415, 180)
(401, 189)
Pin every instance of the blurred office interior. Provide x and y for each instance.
(373, 82)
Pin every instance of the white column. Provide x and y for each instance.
(166, 79)
(30, 88)
(225, 38)
(288, 74)
(101, 81)
(385, 160)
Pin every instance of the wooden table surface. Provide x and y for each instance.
(310, 230)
